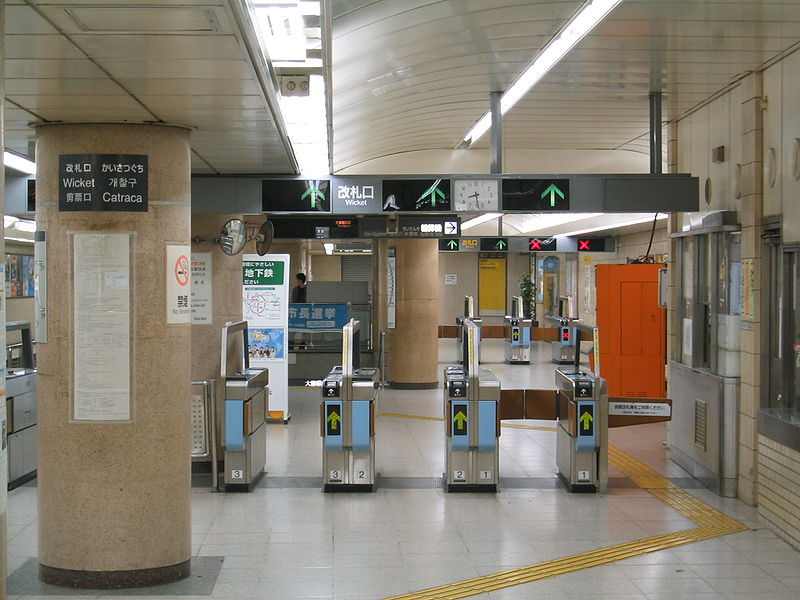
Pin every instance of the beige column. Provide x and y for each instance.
(413, 342)
(226, 305)
(114, 496)
(750, 215)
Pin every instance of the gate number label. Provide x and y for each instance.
(237, 474)
(486, 474)
(459, 475)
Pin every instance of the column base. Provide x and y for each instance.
(112, 580)
(425, 385)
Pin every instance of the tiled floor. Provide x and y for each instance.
(292, 543)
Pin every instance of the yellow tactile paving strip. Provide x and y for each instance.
(711, 523)
(424, 418)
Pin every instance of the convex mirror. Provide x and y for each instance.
(233, 236)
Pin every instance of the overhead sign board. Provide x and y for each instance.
(430, 226)
(355, 195)
(102, 182)
(449, 245)
(323, 227)
(416, 195)
(499, 244)
(542, 244)
(295, 195)
(535, 195)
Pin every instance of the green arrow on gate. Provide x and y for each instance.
(460, 418)
(315, 193)
(586, 419)
(553, 191)
(334, 419)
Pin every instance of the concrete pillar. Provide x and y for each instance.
(413, 343)
(226, 305)
(114, 496)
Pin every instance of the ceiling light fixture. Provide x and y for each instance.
(573, 32)
(19, 163)
(485, 217)
(637, 221)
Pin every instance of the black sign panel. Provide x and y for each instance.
(416, 194)
(586, 420)
(432, 226)
(451, 245)
(515, 334)
(333, 419)
(591, 244)
(494, 244)
(313, 228)
(295, 195)
(459, 419)
(542, 244)
(536, 194)
(102, 182)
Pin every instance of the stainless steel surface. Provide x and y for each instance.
(231, 327)
(581, 469)
(207, 426)
(712, 460)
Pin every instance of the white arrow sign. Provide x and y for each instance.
(451, 227)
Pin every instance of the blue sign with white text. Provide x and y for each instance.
(317, 317)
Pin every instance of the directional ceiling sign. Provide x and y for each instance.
(536, 194)
(295, 195)
(416, 195)
(499, 244)
(451, 245)
(542, 244)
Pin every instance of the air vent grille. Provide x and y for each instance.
(700, 423)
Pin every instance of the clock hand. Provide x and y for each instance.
(474, 195)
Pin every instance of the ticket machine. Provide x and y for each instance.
(347, 420)
(472, 421)
(582, 432)
(469, 315)
(246, 405)
(518, 334)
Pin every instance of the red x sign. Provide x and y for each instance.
(536, 245)
(583, 244)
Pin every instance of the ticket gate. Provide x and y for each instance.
(246, 405)
(472, 421)
(565, 348)
(347, 420)
(518, 334)
(582, 432)
(469, 315)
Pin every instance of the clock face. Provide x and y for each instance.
(476, 195)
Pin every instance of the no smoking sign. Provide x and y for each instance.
(182, 270)
(178, 275)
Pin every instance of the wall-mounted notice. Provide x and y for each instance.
(178, 284)
(103, 182)
(202, 290)
(391, 289)
(265, 306)
(102, 326)
(451, 278)
(40, 286)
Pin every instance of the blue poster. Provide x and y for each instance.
(317, 317)
(266, 343)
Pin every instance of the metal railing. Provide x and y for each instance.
(204, 427)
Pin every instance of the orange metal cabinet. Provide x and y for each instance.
(633, 330)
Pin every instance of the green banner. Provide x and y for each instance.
(262, 272)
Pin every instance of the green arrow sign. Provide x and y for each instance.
(460, 419)
(334, 419)
(586, 420)
(553, 191)
(452, 244)
(501, 244)
(315, 193)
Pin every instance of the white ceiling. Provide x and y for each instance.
(175, 61)
(417, 74)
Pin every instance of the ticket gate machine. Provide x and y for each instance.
(347, 420)
(472, 421)
(246, 405)
(582, 432)
(565, 348)
(518, 339)
(469, 315)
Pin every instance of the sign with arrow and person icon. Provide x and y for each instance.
(416, 195)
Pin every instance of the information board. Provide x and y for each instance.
(102, 182)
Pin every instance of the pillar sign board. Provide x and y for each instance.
(202, 292)
(102, 182)
(179, 273)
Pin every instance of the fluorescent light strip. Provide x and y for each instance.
(640, 220)
(573, 32)
(484, 218)
(19, 163)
